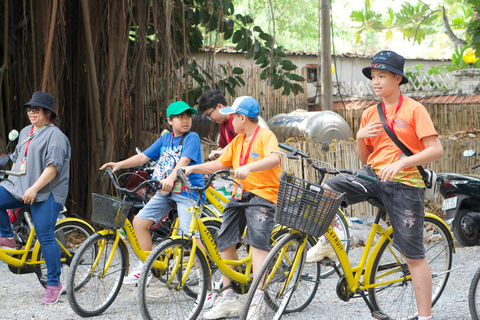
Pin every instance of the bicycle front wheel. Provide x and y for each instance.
(277, 279)
(474, 296)
(340, 226)
(309, 280)
(96, 279)
(165, 290)
(70, 236)
(397, 299)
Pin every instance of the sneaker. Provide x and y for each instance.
(258, 304)
(6, 243)
(224, 307)
(323, 249)
(52, 294)
(134, 277)
(209, 299)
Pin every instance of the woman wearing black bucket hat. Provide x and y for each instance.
(400, 186)
(42, 157)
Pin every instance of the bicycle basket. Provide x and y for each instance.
(306, 206)
(109, 211)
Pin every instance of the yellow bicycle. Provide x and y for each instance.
(70, 233)
(381, 278)
(98, 269)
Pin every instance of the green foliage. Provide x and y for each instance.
(416, 20)
(219, 17)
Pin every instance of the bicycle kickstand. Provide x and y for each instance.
(377, 314)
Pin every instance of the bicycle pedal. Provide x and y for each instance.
(328, 262)
(380, 315)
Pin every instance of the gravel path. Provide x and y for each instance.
(20, 297)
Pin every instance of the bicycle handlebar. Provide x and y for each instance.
(10, 173)
(476, 166)
(295, 152)
(157, 183)
(225, 172)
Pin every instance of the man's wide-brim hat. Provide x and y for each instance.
(42, 99)
(387, 60)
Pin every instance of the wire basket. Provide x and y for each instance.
(306, 206)
(109, 211)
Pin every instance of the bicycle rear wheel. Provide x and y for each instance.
(165, 297)
(276, 270)
(71, 235)
(309, 280)
(96, 280)
(474, 296)
(397, 300)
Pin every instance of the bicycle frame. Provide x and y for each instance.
(212, 250)
(216, 199)
(5, 254)
(353, 274)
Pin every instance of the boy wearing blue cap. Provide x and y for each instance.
(182, 144)
(257, 170)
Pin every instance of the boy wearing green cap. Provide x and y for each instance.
(186, 145)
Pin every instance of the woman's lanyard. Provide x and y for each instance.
(32, 135)
(242, 160)
(390, 123)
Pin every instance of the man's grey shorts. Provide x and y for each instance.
(252, 211)
(404, 205)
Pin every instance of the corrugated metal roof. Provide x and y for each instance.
(226, 49)
(446, 99)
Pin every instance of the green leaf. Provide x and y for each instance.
(237, 36)
(263, 75)
(257, 29)
(289, 67)
(231, 91)
(239, 79)
(298, 87)
(250, 53)
(286, 88)
(241, 45)
(266, 63)
(237, 70)
(232, 82)
(229, 30)
(198, 77)
(261, 60)
(278, 84)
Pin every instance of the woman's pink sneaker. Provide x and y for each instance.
(6, 243)
(52, 294)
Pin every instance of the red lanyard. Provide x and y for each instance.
(229, 133)
(390, 123)
(245, 160)
(28, 142)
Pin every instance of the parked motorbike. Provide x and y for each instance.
(461, 204)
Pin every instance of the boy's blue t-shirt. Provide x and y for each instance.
(190, 149)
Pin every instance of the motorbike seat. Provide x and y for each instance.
(377, 203)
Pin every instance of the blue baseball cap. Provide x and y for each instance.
(245, 105)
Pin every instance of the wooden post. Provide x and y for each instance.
(326, 69)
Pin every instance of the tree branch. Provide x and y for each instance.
(448, 30)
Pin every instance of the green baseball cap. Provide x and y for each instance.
(179, 107)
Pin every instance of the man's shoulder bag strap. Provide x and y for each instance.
(399, 143)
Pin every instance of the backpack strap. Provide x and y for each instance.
(399, 143)
(182, 138)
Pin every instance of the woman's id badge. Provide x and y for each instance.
(238, 193)
(22, 167)
(177, 186)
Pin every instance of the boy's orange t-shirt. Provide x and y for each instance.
(261, 183)
(412, 123)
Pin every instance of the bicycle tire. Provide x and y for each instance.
(309, 281)
(71, 234)
(275, 303)
(343, 232)
(162, 297)
(474, 296)
(397, 300)
(94, 293)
